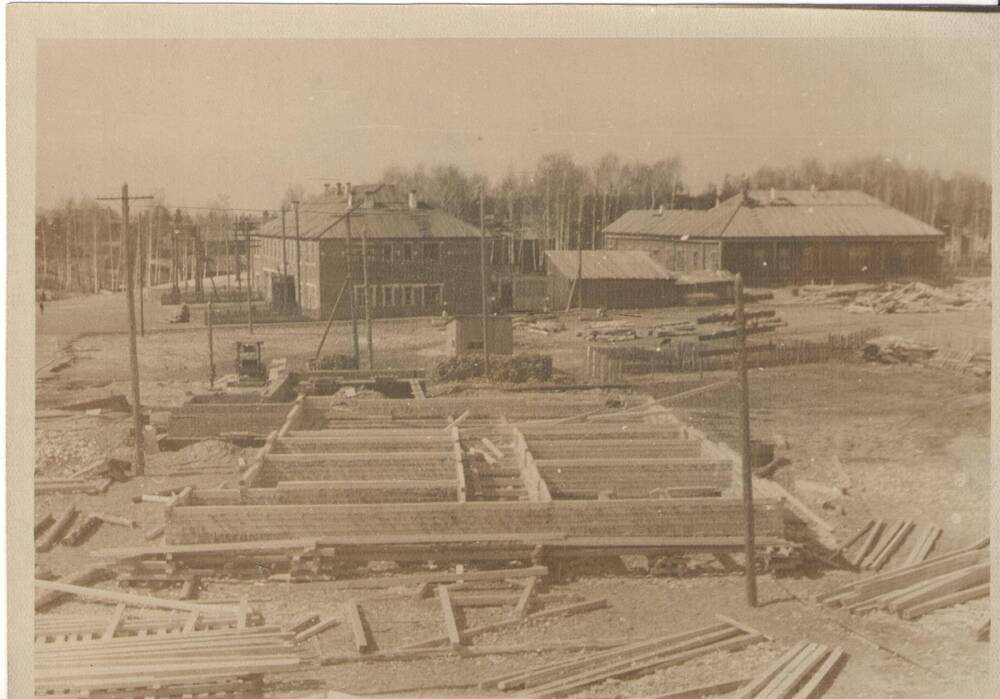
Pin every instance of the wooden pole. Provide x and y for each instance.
(97, 275)
(211, 349)
(284, 263)
(329, 323)
(246, 231)
(133, 351)
(741, 346)
(350, 295)
(482, 274)
(298, 259)
(142, 281)
(368, 294)
(45, 259)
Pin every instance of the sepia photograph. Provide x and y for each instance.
(359, 354)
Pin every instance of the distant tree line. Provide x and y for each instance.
(568, 203)
(561, 201)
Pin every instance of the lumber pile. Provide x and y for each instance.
(914, 590)
(890, 349)
(804, 672)
(611, 331)
(877, 541)
(90, 480)
(674, 328)
(540, 325)
(882, 540)
(730, 316)
(917, 297)
(569, 676)
(175, 664)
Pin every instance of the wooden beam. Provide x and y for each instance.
(450, 622)
(352, 613)
(814, 687)
(527, 597)
(134, 600)
(116, 621)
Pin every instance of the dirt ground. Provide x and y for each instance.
(914, 443)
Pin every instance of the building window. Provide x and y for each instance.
(433, 294)
(432, 251)
(407, 252)
(386, 252)
(390, 295)
(359, 296)
(410, 295)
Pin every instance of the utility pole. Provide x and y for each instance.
(141, 282)
(368, 294)
(133, 352)
(482, 279)
(741, 349)
(350, 289)
(97, 276)
(579, 261)
(246, 231)
(45, 259)
(236, 255)
(298, 259)
(284, 264)
(211, 350)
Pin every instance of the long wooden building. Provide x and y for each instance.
(777, 237)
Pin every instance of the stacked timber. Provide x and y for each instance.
(875, 543)
(570, 676)
(185, 663)
(804, 672)
(914, 590)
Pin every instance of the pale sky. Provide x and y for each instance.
(193, 119)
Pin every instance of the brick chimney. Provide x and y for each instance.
(412, 201)
(350, 194)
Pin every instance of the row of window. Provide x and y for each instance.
(271, 247)
(404, 252)
(396, 295)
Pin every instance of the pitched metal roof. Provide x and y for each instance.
(789, 214)
(606, 264)
(385, 217)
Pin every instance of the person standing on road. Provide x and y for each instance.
(41, 303)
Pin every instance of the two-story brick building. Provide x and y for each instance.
(421, 261)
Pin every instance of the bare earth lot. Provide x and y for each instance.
(914, 442)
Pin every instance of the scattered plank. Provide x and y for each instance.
(317, 628)
(527, 597)
(87, 576)
(705, 690)
(450, 622)
(352, 613)
(134, 600)
(55, 533)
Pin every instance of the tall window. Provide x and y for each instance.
(432, 294)
(386, 252)
(432, 251)
(407, 252)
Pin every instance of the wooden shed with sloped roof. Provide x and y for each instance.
(608, 279)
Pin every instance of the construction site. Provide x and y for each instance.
(398, 531)
(373, 363)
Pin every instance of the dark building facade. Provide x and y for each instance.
(420, 261)
(786, 237)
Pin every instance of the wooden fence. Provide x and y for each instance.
(608, 364)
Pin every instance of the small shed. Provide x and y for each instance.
(464, 335)
(608, 279)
